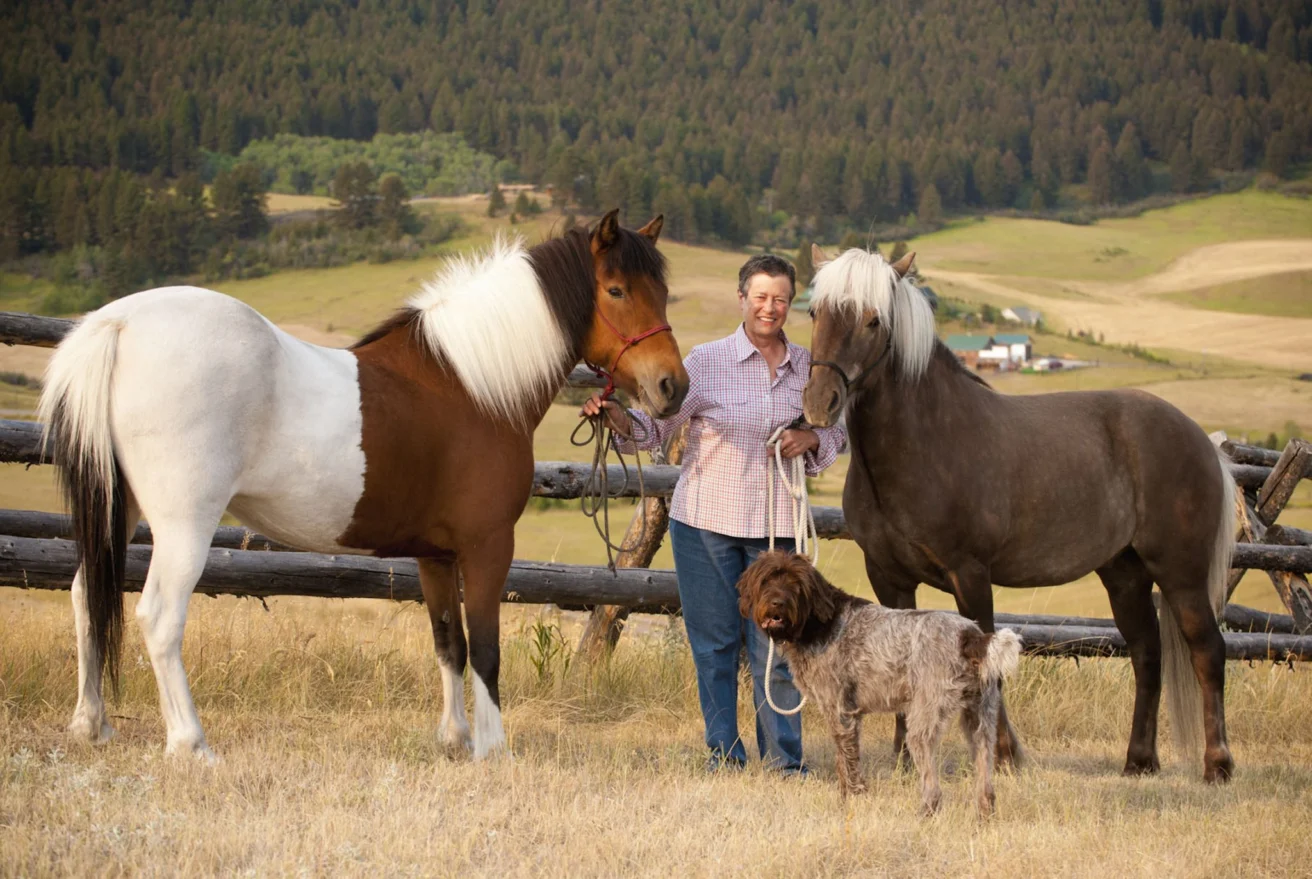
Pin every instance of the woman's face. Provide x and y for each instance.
(765, 305)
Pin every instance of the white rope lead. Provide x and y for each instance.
(804, 534)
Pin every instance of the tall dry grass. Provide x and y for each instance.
(324, 715)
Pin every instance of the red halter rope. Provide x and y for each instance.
(629, 342)
(596, 490)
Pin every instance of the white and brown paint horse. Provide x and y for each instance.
(180, 403)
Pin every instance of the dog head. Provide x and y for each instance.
(782, 591)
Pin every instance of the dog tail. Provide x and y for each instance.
(1002, 656)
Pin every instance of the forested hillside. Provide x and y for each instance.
(737, 119)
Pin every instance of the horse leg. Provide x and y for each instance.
(181, 547)
(89, 722)
(891, 595)
(485, 565)
(1188, 600)
(973, 591)
(437, 578)
(1129, 587)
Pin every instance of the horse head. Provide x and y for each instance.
(630, 336)
(862, 309)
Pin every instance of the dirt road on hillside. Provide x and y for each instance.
(1133, 311)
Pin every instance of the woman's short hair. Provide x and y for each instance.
(767, 264)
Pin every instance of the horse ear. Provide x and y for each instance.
(653, 229)
(818, 257)
(607, 232)
(903, 265)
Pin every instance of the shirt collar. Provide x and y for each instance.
(743, 347)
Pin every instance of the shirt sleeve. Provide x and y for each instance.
(650, 433)
(833, 440)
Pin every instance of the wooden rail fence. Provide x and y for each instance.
(35, 551)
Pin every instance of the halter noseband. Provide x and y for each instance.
(629, 342)
(848, 382)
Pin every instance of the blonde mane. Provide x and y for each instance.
(487, 317)
(860, 283)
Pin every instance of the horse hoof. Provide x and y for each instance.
(1219, 771)
(1149, 766)
(200, 751)
(86, 729)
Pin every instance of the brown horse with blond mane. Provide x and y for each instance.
(958, 486)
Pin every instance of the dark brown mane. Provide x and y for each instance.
(563, 265)
(401, 317)
(943, 353)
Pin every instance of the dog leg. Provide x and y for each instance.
(846, 728)
(980, 724)
(924, 732)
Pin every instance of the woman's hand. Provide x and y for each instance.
(616, 417)
(798, 442)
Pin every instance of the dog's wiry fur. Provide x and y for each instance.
(852, 657)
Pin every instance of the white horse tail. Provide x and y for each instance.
(1001, 658)
(74, 409)
(1184, 696)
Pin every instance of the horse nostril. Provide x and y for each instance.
(833, 401)
(667, 387)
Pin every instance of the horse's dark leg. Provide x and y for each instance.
(971, 586)
(892, 595)
(437, 577)
(1187, 596)
(485, 565)
(1130, 587)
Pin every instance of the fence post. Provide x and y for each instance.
(606, 622)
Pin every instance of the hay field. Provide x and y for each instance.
(324, 715)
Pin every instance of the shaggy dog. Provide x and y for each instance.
(851, 657)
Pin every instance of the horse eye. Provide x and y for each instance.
(616, 292)
(811, 312)
(874, 322)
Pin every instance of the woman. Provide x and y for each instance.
(741, 389)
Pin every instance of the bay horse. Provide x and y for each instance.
(955, 485)
(180, 403)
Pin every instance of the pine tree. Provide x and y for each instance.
(394, 212)
(931, 206)
(356, 191)
(804, 266)
(1100, 176)
(496, 201)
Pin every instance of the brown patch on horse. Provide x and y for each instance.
(402, 317)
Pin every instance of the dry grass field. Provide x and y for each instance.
(324, 716)
(324, 711)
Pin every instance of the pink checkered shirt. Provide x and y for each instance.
(733, 408)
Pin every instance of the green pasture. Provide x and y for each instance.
(1114, 249)
(1282, 295)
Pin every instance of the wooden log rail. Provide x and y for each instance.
(35, 563)
(27, 523)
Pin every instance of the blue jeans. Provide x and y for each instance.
(708, 566)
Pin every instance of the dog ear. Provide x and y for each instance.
(819, 593)
(748, 585)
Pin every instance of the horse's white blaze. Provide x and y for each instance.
(859, 282)
(489, 735)
(488, 319)
(453, 729)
